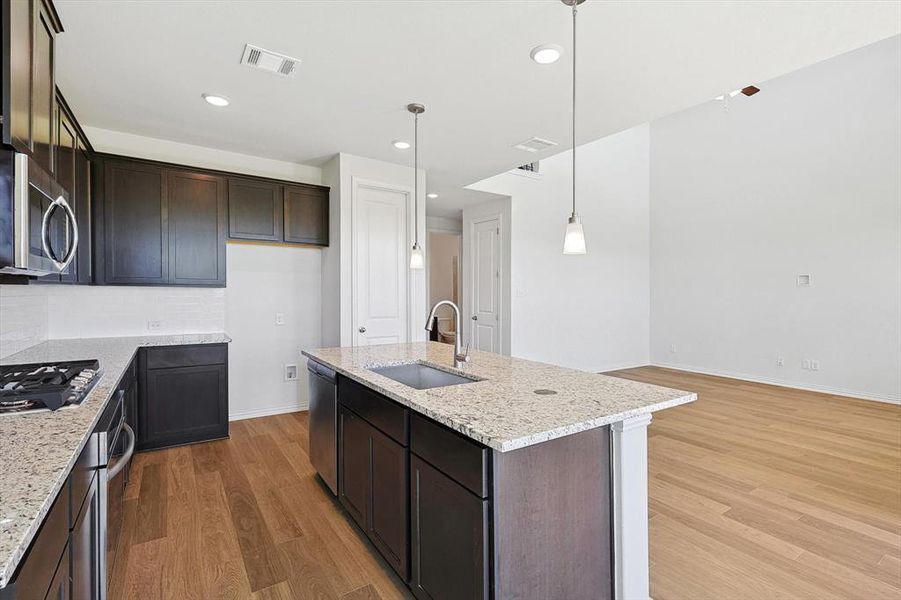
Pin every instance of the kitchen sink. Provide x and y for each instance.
(422, 377)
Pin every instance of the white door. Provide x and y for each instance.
(380, 266)
(485, 265)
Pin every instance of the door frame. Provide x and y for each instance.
(407, 191)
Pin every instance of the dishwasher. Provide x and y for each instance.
(324, 423)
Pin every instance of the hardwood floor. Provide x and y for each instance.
(242, 518)
(755, 491)
(759, 491)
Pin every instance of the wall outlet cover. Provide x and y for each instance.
(154, 325)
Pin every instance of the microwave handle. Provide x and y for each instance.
(45, 225)
(116, 468)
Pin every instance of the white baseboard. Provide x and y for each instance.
(783, 383)
(621, 367)
(266, 412)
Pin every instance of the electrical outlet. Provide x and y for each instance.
(672, 348)
(154, 325)
(279, 318)
(810, 364)
(780, 361)
(290, 372)
(814, 365)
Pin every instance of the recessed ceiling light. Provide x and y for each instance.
(215, 100)
(546, 54)
(401, 145)
(431, 195)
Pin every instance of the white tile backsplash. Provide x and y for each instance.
(23, 317)
(33, 313)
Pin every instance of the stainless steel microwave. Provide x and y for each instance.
(38, 231)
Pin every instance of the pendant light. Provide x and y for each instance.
(574, 240)
(417, 260)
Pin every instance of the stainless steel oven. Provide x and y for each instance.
(116, 441)
(38, 230)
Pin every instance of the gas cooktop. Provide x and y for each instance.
(46, 386)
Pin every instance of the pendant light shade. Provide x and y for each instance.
(417, 259)
(574, 239)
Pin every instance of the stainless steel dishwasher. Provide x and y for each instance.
(324, 423)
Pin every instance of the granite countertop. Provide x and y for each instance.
(502, 410)
(38, 450)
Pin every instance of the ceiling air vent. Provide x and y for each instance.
(259, 58)
(535, 145)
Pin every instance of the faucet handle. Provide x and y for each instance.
(464, 357)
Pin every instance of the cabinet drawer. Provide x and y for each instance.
(81, 477)
(458, 457)
(186, 356)
(37, 570)
(388, 416)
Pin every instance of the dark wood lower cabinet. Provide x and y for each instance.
(184, 401)
(448, 537)
(373, 486)
(59, 585)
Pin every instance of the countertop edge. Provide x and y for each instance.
(9, 567)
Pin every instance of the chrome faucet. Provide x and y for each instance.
(460, 356)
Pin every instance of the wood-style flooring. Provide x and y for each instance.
(755, 492)
(758, 491)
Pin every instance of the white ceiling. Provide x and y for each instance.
(140, 67)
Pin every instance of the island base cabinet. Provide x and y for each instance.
(449, 537)
(84, 548)
(373, 487)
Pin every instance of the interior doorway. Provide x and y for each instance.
(445, 279)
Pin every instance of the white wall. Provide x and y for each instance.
(588, 312)
(802, 178)
(262, 281)
(337, 261)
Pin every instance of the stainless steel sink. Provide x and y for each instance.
(422, 377)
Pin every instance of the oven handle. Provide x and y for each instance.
(114, 470)
(70, 216)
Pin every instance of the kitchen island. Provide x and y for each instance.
(540, 468)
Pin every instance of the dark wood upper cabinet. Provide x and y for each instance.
(306, 215)
(197, 225)
(254, 210)
(65, 147)
(43, 89)
(135, 224)
(448, 537)
(29, 31)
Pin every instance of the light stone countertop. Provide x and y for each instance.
(503, 411)
(38, 450)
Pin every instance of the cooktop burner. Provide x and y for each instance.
(46, 385)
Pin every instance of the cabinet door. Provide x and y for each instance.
(184, 404)
(82, 207)
(84, 549)
(254, 210)
(449, 536)
(66, 152)
(43, 90)
(197, 222)
(388, 524)
(17, 27)
(353, 465)
(59, 586)
(306, 215)
(136, 224)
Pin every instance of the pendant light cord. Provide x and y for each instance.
(574, 106)
(416, 179)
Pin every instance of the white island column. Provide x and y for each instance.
(630, 508)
